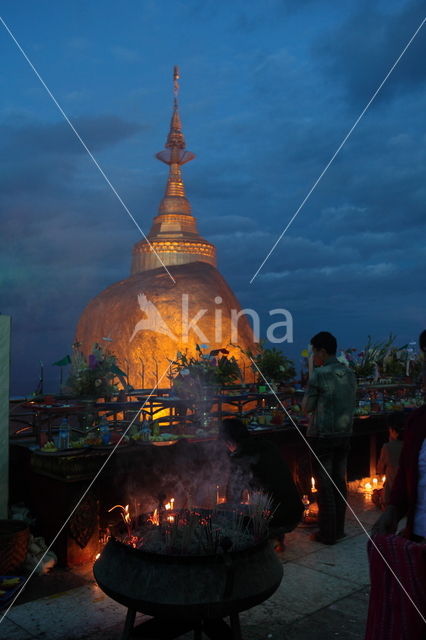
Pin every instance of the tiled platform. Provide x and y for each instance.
(323, 595)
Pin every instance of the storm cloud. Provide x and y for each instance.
(268, 92)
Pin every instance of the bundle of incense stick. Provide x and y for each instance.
(260, 510)
(204, 532)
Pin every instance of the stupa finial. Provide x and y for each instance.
(176, 78)
(175, 153)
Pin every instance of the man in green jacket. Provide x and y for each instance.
(330, 401)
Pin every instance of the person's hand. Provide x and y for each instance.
(387, 523)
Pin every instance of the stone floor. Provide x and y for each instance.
(323, 595)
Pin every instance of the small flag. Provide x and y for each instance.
(63, 362)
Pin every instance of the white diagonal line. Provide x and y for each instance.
(341, 494)
(86, 491)
(92, 157)
(290, 222)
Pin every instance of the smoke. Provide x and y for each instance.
(191, 473)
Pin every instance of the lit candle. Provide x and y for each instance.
(375, 481)
(169, 505)
(313, 488)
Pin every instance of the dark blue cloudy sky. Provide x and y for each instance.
(269, 89)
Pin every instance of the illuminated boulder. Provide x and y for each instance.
(148, 317)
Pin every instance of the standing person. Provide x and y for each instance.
(408, 495)
(391, 614)
(330, 399)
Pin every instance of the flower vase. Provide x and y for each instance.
(203, 406)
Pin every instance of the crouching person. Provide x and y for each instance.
(256, 465)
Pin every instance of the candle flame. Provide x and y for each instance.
(313, 487)
(154, 519)
(124, 512)
(126, 515)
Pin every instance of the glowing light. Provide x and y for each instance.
(117, 506)
(124, 512)
(125, 515)
(98, 555)
(169, 505)
(313, 487)
(220, 496)
(154, 518)
(375, 481)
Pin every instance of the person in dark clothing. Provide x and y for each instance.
(256, 465)
(408, 495)
(391, 614)
(330, 401)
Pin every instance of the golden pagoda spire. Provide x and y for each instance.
(174, 232)
(175, 156)
(175, 137)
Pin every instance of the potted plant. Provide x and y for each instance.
(272, 365)
(197, 379)
(92, 378)
(395, 362)
(369, 363)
